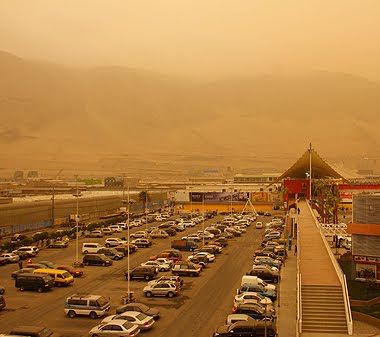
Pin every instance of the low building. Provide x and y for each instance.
(365, 231)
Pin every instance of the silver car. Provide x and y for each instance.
(117, 328)
(165, 288)
(143, 321)
(10, 257)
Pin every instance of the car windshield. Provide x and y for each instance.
(263, 283)
(141, 316)
(102, 301)
(66, 275)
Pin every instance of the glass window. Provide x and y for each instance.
(93, 303)
(141, 316)
(127, 325)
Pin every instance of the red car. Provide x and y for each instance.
(74, 272)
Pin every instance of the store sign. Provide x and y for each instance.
(367, 259)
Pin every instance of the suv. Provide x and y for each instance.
(163, 288)
(142, 243)
(96, 260)
(186, 269)
(95, 234)
(113, 242)
(29, 250)
(147, 273)
(84, 304)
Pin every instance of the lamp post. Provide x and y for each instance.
(77, 195)
(130, 201)
(191, 202)
(203, 218)
(265, 301)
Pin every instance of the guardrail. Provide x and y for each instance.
(340, 274)
(299, 287)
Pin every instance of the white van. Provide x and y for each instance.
(91, 248)
(254, 280)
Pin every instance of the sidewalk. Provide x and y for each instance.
(287, 302)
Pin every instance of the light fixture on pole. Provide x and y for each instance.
(265, 301)
(203, 218)
(77, 195)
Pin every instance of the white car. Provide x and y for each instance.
(143, 321)
(188, 224)
(116, 228)
(233, 318)
(159, 218)
(123, 225)
(165, 261)
(113, 242)
(240, 228)
(210, 257)
(30, 250)
(117, 327)
(192, 237)
(159, 234)
(10, 257)
(248, 295)
(259, 225)
(158, 265)
(139, 234)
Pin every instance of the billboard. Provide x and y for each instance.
(211, 197)
(259, 196)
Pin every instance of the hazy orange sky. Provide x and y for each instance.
(198, 37)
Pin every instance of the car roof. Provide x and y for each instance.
(131, 313)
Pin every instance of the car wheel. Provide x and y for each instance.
(148, 294)
(103, 264)
(162, 269)
(170, 294)
(94, 335)
(107, 245)
(2, 291)
(93, 315)
(275, 280)
(86, 263)
(58, 284)
(147, 277)
(22, 288)
(86, 252)
(71, 314)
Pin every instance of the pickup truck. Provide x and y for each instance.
(184, 245)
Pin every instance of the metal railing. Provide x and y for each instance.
(340, 274)
(299, 287)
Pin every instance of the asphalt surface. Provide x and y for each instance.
(202, 305)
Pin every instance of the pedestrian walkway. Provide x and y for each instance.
(287, 302)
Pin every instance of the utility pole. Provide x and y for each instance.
(146, 210)
(203, 218)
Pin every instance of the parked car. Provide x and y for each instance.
(29, 250)
(96, 260)
(170, 254)
(10, 257)
(58, 244)
(2, 303)
(143, 321)
(21, 271)
(209, 256)
(33, 331)
(163, 288)
(72, 271)
(253, 309)
(116, 228)
(159, 266)
(176, 279)
(268, 261)
(142, 243)
(170, 231)
(186, 269)
(95, 234)
(119, 328)
(142, 272)
(265, 273)
(249, 295)
(139, 234)
(113, 242)
(160, 234)
(61, 277)
(91, 248)
(107, 231)
(111, 253)
(258, 289)
(259, 225)
(140, 307)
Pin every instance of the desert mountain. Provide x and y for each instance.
(52, 111)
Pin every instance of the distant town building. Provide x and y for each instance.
(32, 174)
(18, 175)
(256, 179)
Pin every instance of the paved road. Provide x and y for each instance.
(202, 305)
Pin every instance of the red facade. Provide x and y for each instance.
(296, 186)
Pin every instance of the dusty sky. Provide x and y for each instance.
(205, 38)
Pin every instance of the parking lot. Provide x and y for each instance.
(201, 306)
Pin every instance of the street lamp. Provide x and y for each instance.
(130, 202)
(191, 202)
(203, 218)
(77, 195)
(265, 301)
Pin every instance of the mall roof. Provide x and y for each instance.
(320, 169)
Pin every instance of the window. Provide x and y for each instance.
(93, 303)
